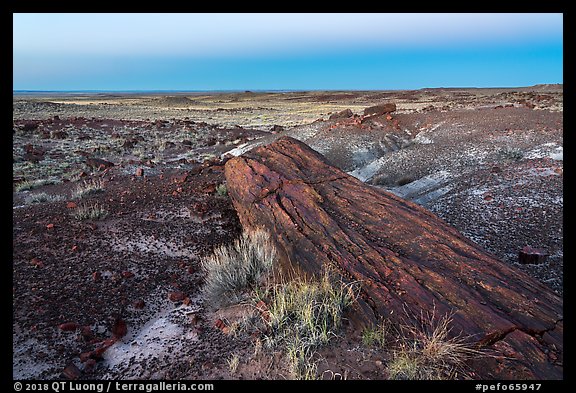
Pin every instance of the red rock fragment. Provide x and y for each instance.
(68, 326)
(37, 262)
(532, 256)
(140, 172)
(71, 205)
(139, 304)
(127, 274)
(219, 324)
(176, 296)
(85, 356)
(119, 329)
(50, 226)
(89, 365)
(180, 178)
(186, 301)
(87, 333)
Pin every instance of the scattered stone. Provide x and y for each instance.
(219, 324)
(127, 274)
(37, 262)
(89, 365)
(71, 205)
(96, 276)
(140, 172)
(276, 128)
(68, 326)
(532, 256)
(209, 189)
(380, 109)
(119, 329)
(180, 178)
(139, 304)
(29, 126)
(50, 226)
(346, 113)
(87, 333)
(58, 134)
(71, 372)
(98, 163)
(84, 356)
(176, 296)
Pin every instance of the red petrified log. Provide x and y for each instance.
(408, 261)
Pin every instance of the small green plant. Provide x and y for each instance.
(32, 184)
(305, 314)
(88, 187)
(89, 212)
(376, 336)
(43, 197)
(233, 363)
(511, 154)
(222, 190)
(233, 268)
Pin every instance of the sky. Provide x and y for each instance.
(281, 51)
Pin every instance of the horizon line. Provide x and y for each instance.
(257, 90)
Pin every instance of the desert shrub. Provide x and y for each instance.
(231, 269)
(88, 187)
(89, 212)
(511, 154)
(32, 184)
(43, 197)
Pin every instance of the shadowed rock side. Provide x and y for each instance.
(407, 260)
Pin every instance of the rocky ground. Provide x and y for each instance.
(119, 297)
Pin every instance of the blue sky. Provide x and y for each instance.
(284, 51)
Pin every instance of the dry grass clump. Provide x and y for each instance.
(429, 352)
(32, 184)
(88, 187)
(305, 314)
(43, 197)
(89, 212)
(232, 269)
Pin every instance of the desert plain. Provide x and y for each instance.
(118, 197)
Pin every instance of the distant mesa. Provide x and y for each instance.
(175, 100)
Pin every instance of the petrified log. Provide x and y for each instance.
(407, 260)
(380, 109)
